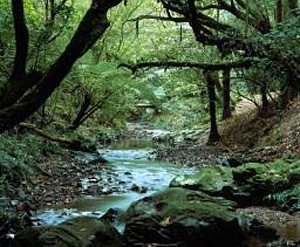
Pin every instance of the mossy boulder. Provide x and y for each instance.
(79, 232)
(182, 217)
(248, 184)
(211, 180)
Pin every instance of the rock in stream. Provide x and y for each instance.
(79, 232)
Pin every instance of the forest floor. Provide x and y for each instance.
(246, 137)
(55, 181)
(58, 180)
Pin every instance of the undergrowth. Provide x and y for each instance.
(18, 153)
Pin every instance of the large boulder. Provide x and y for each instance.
(79, 232)
(182, 217)
(248, 184)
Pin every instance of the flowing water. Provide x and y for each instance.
(133, 169)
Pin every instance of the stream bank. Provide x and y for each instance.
(158, 213)
(103, 191)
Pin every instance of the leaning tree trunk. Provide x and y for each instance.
(210, 83)
(87, 100)
(226, 95)
(90, 29)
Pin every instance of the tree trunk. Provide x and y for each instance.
(82, 112)
(16, 88)
(22, 39)
(293, 6)
(210, 83)
(91, 28)
(264, 101)
(287, 95)
(226, 95)
(279, 11)
(18, 78)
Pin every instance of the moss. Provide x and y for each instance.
(175, 202)
(183, 216)
(249, 184)
(211, 179)
(287, 200)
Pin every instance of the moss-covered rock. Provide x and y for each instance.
(248, 184)
(209, 180)
(181, 217)
(79, 232)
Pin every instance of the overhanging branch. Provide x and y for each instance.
(159, 18)
(246, 63)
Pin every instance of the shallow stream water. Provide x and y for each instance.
(132, 168)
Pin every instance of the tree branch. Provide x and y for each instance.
(76, 145)
(91, 28)
(174, 64)
(159, 18)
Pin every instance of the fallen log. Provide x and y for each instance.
(75, 145)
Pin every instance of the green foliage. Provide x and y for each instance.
(182, 95)
(183, 103)
(113, 92)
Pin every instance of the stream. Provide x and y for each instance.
(138, 175)
(129, 175)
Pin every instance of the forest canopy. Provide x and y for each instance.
(223, 40)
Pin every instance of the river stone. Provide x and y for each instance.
(231, 162)
(248, 184)
(112, 214)
(181, 217)
(79, 232)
